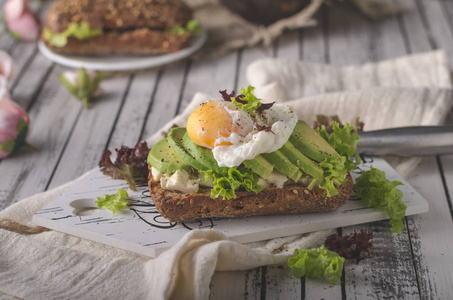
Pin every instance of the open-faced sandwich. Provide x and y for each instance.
(99, 27)
(239, 157)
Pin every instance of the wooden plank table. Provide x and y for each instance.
(417, 263)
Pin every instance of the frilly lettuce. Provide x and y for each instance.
(226, 186)
(130, 164)
(246, 100)
(114, 202)
(336, 168)
(376, 191)
(334, 174)
(79, 31)
(354, 246)
(317, 263)
(343, 142)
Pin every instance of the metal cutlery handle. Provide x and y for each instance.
(407, 141)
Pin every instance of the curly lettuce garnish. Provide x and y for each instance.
(246, 100)
(190, 26)
(317, 263)
(80, 31)
(376, 191)
(235, 179)
(327, 120)
(130, 164)
(354, 246)
(114, 202)
(334, 174)
(343, 142)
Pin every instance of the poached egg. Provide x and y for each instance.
(236, 135)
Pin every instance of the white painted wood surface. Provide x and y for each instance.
(416, 264)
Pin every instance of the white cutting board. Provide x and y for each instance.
(142, 230)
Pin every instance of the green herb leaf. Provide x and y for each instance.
(376, 191)
(80, 31)
(194, 26)
(190, 26)
(235, 179)
(94, 84)
(84, 87)
(82, 82)
(343, 142)
(317, 263)
(246, 100)
(114, 202)
(71, 88)
(8, 146)
(11, 146)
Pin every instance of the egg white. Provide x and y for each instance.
(247, 141)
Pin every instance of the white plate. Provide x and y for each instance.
(122, 63)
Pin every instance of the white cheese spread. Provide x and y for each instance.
(178, 181)
(275, 179)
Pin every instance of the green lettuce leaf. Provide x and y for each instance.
(79, 31)
(85, 88)
(190, 26)
(114, 202)
(335, 171)
(376, 191)
(246, 100)
(343, 142)
(235, 179)
(317, 263)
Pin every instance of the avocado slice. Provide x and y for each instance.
(283, 164)
(175, 137)
(307, 141)
(164, 158)
(301, 161)
(203, 155)
(259, 165)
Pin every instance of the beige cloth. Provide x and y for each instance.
(228, 31)
(406, 91)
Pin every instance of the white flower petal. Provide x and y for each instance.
(13, 9)
(6, 65)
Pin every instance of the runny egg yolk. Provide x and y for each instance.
(208, 122)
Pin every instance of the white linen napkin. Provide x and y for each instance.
(406, 91)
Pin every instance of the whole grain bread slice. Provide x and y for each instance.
(180, 207)
(118, 14)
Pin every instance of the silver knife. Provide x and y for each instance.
(407, 141)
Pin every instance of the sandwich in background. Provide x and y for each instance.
(106, 27)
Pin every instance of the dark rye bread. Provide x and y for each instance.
(180, 207)
(129, 26)
(118, 14)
